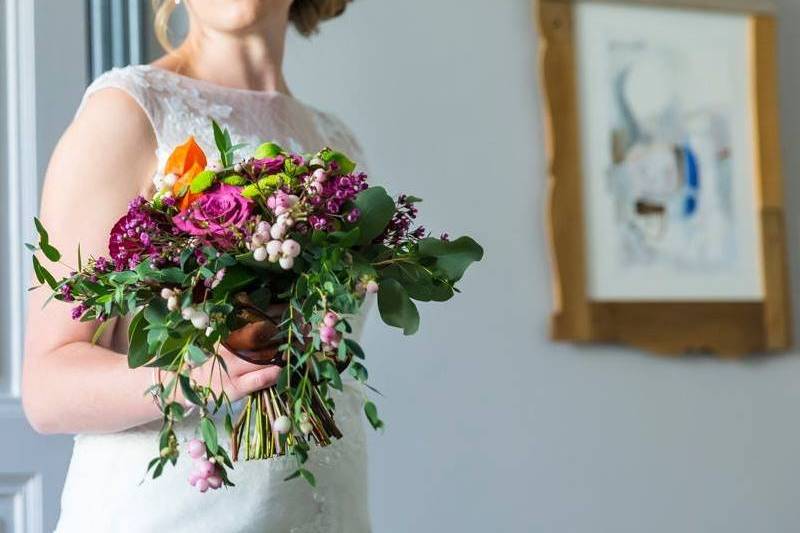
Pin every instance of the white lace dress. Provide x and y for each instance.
(105, 491)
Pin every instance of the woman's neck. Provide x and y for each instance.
(252, 60)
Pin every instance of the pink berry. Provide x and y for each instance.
(193, 478)
(202, 485)
(196, 448)
(372, 286)
(330, 319)
(214, 482)
(205, 468)
(327, 334)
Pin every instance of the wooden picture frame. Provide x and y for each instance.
(727, 328)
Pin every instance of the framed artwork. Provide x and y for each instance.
(666, 208)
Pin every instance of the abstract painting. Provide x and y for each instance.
(667, 154)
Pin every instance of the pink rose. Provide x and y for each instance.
(216, 214)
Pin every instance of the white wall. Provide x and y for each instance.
(491, 427)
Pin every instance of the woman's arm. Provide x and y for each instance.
(104, 160)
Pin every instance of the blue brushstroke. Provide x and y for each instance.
(692, 172)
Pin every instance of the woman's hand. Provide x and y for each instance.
(247, 353)
(242, 377)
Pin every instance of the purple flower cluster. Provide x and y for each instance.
(329, 196)
(78, 311)
(399, 228)
(132, 236)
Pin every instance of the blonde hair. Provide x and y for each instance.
(306, 15)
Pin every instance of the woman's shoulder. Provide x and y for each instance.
(146, 84)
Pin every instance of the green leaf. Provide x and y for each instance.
(203, 181)
(305, 474)
(125, 277)
(396, 308)
(222, 142)
(138, 350)
(329, 371)
(372, 415)
(43, 275)
(236, 278)
(452, 257)
(414, 278)
(268, 149)
(44, 238)
(44, 242)
(308, 476)
(188, 392)
(359, 371)
(209, 432)
(50, 252)
(377, 209)
(354, 348)
(197, 355)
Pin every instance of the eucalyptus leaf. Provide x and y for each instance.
(452, 257)
(138, 350)
(209, 432)
(396, 308)
(377, 209)
(372, 415)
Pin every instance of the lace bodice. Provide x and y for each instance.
(179, 106)
(107, 469)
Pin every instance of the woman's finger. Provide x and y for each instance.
(257, 380)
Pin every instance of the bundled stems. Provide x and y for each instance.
(255, 435)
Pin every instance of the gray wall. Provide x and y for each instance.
(490, 426)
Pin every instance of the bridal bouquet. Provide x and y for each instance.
(221, 246)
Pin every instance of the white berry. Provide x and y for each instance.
(200, 320)
(283, 424)
(260, 254)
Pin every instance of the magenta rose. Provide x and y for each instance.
(216, 215)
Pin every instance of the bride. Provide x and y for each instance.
(228, 69)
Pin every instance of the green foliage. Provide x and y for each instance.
(451, 257)
(372, 415)
(48, 250)
(396, 308)
(377, 209)
(138, 350)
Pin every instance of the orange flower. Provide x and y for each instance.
(186, 161)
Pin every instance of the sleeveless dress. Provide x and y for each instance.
(106, 488)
